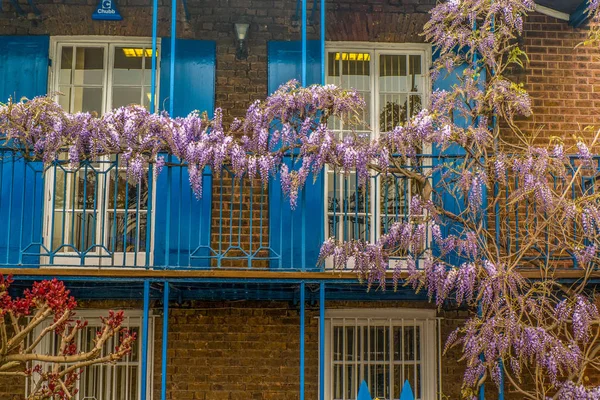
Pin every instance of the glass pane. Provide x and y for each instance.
(412, 374)
(124, 96)
(128, 66)
(85, 188)
(87, 100)
(338, 343)
(146, 97)
(133, 356)
(357, 227)
(350, 342)
(333, 66)
(409, 343)
(333, 192)
(393, 111)
(378, 350)
(127, 192)
(338, 381)
(121, 382)
(357, 196)
(67, 235)
(59, 187)
(392, 73)
(333, 226)
(415, 72)
(351, 390)
(89, 66)
(378, 380)
(126, 231)
(397, 345)
(393, 200)
(133, 382)
(64, 98)
(66, 65)
(416, 105)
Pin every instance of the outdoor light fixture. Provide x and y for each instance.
(241, 31)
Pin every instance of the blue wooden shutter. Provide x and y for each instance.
(186, 241)
(23, 73)
(295, 236)
(452, 202)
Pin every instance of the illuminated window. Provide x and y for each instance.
(394, 84)
(95, 212)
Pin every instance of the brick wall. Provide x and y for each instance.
(562, 79)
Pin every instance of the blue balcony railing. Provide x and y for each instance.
(93, 215)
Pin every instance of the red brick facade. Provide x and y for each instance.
(241, 350)
(562, 79)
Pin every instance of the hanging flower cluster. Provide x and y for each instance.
(292, 121)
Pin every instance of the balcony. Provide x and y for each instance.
(94, 216)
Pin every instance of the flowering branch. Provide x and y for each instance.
(52, 375)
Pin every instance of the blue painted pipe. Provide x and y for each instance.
(304, 58)
(145, 326)
(165, 337)
(323, 49)
(322, 341)
(302, 300)
(154, 55)
(172, 69)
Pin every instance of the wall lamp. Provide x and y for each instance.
(241, 31)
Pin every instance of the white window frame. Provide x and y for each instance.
(430, 345)
(376, 50)
(133, 259)
(93, 317)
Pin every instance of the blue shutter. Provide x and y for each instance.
(186, 241)
(453, 202)
(23, 73)
(295, 236)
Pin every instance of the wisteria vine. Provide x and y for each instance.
(473, 255)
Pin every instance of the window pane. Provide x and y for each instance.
(393, 201)
(87, 100)
(126, 231)
(85, 188)
(393, 111)
(73, 231)
(338, 381)
(350, 343)
(338, 343)
(415, 73)
(124, 96)
(89, 66)
(146, 97)
(64, 99)
(129, 195)
(66, 65)
(128, 66)
(416, 105)
(351, 390)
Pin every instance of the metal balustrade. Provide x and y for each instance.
(94, 215)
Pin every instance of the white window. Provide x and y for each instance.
(118, 381)
(385, 348)
(94, 214)
(394, 81)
